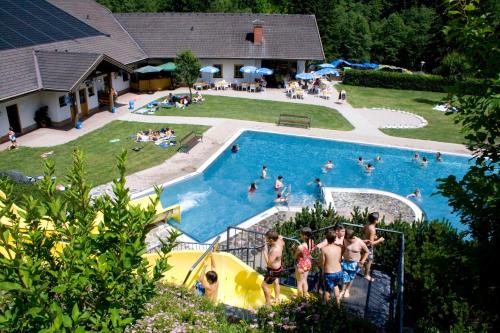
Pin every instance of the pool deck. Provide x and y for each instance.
(365, 131)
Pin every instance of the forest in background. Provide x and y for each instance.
(394, 32)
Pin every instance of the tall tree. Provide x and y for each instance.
(187, 69)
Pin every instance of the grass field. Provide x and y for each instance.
(99, 151)
(259, 110)
(440, 128)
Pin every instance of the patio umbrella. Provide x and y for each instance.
(248, 69)
(326, 71)
(326, 66)
(168, 67)
(209, 69)
(304, 76)
(264, 71)
(148, 69)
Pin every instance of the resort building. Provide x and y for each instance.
(70, 57)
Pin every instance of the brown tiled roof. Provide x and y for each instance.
(217, 35)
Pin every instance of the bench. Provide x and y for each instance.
(189, 141)
(294, 120)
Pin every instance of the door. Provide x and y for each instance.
(84, 108)
(13, 115)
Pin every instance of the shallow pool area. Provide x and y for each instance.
(218, 197)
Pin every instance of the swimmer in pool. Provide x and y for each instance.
(318, 182)
(378, 158)
(329, 165)
(278, 184)
(360, 160)
(369, 168)
(439, 157)
(252, 188)
(280, 198)
(424, 161)
(235, 148)
(416, 157)
(263, 172)
(417, 194)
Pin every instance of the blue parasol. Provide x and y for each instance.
(248, 69)
(304, 76)
(209, 69)
(264, 71)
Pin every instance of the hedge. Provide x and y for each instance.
(379, 79)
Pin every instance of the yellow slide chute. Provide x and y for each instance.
(239, 284)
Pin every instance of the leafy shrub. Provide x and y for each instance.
(176, 309)
(310, 315)
(381, 79)
(71, 278)
(42, 118)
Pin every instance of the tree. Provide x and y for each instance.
(187, 69)
(62, 271)
(476, 197)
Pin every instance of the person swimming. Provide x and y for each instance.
(360, 160)
(278, 184)
(318, 182)
(425, 161)
(439, 157)
(416, 157)
(417, 194)
(378, 158)
(252, 188)
(369, 168)
(235, 148)
(329, 165)
(263, 172)
(280, 198)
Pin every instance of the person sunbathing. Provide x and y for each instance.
(198, 97)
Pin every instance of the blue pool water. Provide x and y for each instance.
(218, 198)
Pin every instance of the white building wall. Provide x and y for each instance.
(118, 82)
(228, 65)
(26, 105)
(56, 112)
(301, 66)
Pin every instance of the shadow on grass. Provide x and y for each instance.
(427, 101)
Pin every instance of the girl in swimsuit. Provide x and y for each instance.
(304, 261)
(253, 188)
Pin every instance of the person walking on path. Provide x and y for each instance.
(371, 240)
(355, 254)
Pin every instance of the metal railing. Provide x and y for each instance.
(201, 258)
(397, 308)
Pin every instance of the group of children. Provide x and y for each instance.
(342, 255)
(150, 135)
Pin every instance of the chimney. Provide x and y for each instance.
(258, 36)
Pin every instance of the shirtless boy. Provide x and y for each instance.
(273, 251)
(371, 240)
(208, 284)
(331, 256)
(353, 247)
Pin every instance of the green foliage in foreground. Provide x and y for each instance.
(406, 81)
(438, 266)
(310, 315)
(95, 281)
(176, 309)
(259, 110)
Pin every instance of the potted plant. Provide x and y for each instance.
(42, 118)
(279, 80)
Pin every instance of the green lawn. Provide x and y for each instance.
(440, 127)
(100, 153)
(259, 110)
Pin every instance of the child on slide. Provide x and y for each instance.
(208, 284)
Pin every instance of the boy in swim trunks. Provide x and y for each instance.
(273, 251)
(278, 184)
(331, 255)
(208, 284)
(353, 247)
(371, 240)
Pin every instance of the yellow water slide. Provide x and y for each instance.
(239, 284)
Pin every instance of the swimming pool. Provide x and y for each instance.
(218, 197)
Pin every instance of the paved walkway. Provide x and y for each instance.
(221, 130)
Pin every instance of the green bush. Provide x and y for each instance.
(176, 309)
(96, 281)
(404, 81)
(310, 315)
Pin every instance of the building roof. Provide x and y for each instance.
(18, 67)
(220, 35)
(130, 38)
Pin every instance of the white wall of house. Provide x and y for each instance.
(228, 65)
(301, 66)
(118, 82)
(56, 112)
(26, 106)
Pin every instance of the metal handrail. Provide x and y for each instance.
(258, 233)
(215, 242)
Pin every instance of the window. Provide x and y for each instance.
(115, 75)
(90, 89)
(62, 101)
(125, 76)
(219, 74)
(237, 73)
